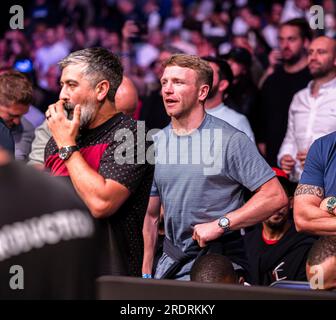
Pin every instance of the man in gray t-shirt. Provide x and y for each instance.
(202, 167)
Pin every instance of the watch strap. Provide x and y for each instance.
(331, 205)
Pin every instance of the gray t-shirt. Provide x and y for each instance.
(200, 177)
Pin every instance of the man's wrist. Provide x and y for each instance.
(224, 224)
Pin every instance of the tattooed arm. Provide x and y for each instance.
(308, 215)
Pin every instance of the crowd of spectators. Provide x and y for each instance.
(254, 81)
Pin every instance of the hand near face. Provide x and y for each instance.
(206, 232)
(64, 131)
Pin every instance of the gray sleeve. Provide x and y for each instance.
(23, 136)
(244, 125)
(154, 190)
(245, 163)
(42, 136)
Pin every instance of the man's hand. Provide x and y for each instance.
(287, 163)
(64, 131)
(206, 232)
(301, 156)
(274, 57)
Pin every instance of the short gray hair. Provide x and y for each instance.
(98, 64)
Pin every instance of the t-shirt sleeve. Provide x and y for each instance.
(245, 164)
(154, 190)
(124, 160)
(313, 172)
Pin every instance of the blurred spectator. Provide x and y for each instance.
(175, 21)
(147, 52)
(40, 11)
(49, 54)
(256, 68)
(294, 9)
(246, 23)
(201, 43)
(222, 81)
(270, 31)
(46, 95)
(75, 14)
(151, 11)
(329, 7)
(275, 250)
(127, 99)
(312, 112)
(216, 25)
(242, 93)
(15, 97)
(288, 74)
(178, 42)
(57, 246)
(92, 36)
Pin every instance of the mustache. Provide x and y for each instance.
(68, 106)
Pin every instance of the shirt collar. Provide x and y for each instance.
(328, 85)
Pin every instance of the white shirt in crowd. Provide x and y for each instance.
(309, 118)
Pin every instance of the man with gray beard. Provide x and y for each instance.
(91, 146)
(275, 251)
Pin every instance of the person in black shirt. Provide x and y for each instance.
(289, 75)
(274, 249)
(99, 149)
(48, 239)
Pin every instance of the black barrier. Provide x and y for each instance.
(129, 288)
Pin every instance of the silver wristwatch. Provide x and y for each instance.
(65, 152)
(224, 223)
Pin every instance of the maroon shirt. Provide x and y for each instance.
(101, 147)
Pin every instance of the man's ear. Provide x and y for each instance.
(203, 92)
(223, 85)
(102, 89)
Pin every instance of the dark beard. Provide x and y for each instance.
(213, 91)
(293, 60)
(320, 73)
(276, 226)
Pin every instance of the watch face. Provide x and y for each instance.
(63, 155)
(224, 222)
(65, 152)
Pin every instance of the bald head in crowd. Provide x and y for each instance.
(126, 98)
(322, 57)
